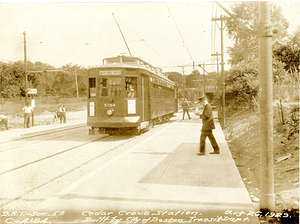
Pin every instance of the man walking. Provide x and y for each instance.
(207, 127)
(185, 107)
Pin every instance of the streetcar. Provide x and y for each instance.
(128, 94)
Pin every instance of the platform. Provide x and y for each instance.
(159, 180)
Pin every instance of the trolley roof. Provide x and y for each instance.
(122, 61)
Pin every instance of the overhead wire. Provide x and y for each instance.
(140, 39)
(85, 43)
(180, 33)
(130, 41)
(186, 65)
(91, 45)
(211, 27)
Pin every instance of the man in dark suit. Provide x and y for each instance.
(185, 108)
(207, 127)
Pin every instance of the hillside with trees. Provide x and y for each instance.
(242, 106)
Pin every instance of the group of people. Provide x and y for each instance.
(28, 110)
(207, 124)
(60, 114)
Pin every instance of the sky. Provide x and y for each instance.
(170, 35)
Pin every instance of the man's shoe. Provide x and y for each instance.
(201, 154)
(214, 152)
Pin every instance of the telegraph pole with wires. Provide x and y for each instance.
(25, 62)
(266, 31)
(222, 18)
(76, 82)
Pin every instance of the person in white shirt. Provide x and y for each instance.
(3, 122)
(27, 114)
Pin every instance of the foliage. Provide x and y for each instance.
(177, 78)
(47, 79)
(242, 80)
(287, 119)
(246, 36)
(188, 86)
(193, 80)
(288, 52)
(191, 94)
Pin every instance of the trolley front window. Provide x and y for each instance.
(130, 86)
(110, 87)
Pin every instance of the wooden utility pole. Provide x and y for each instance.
(267, 197)
(222, 70)
(25, 62)
(218, 72)
(222, 18)
(76, 83)
(204, 80)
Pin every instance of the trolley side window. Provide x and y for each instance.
(131, 87)
(110, 86)
(92, 87)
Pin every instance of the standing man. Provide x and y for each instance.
(207, 127)
(185, 107)
(60, 112)
(64, 115)
(27, 114)
(3, 121)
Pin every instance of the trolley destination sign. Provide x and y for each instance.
(115, 72)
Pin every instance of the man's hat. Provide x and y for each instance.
(201, 98)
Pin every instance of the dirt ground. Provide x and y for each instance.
(242, 135)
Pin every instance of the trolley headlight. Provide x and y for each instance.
(110, 112)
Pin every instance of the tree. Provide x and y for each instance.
(193, 80)
(246, 37)
(177, 78)
(242, 79)
(242, 82)
(288, 52)
(79, 73)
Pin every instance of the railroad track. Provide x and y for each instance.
(18, 169)
(41, 133)
(26, 137)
